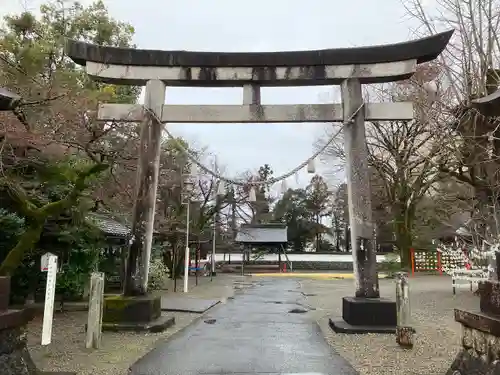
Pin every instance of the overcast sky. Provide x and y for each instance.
(256, 25)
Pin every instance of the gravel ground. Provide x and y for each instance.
(432, 302)
(438, 335)
(118, 350)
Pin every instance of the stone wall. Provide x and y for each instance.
(479, 355)
(14, 356)
(480, 344)
(310, 266)
(306, 266)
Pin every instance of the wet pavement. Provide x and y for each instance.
(264, 330)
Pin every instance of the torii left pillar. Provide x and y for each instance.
(140, 311)
(139, 254)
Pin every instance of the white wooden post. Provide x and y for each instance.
(94, 322)
(404, 331)
(49, 262)
(186, 251)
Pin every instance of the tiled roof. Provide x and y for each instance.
(108, 225)
(262, 233)
(6, 98)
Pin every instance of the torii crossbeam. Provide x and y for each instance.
(348, 67)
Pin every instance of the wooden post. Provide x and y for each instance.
(359, 191)
(196, 262)
(137, 269)
(496, 273)
(404, 331)
(243, 251)
(174, 267)
(216, 233)
(94, 322)
(233, 223)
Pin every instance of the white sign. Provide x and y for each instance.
(44, 263)
(50, 293)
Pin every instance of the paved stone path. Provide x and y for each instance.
(254, 333)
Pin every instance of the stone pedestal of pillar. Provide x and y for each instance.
(366, 315)
(480, 351)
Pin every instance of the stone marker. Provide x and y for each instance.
(94, 323)
(404, 331)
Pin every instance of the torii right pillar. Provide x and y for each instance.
(366, 311)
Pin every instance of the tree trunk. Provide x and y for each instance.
(37, 217)
(179, 266)
(26, 242)
(404, 240)
(317, 233)
(174, 261)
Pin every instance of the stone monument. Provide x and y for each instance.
(480, 351)
(348, 67)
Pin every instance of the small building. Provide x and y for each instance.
(117, 236)
(270, 238)
(110, 228)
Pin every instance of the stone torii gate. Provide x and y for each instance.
(349, 67)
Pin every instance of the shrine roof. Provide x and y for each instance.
(262, 234)
(109, 226)
(7, 99)
(488, 105)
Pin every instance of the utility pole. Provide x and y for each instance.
(233, 219)
(217, 231)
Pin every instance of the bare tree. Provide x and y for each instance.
(469, 69)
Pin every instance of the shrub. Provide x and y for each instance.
(390, 265)
(158, 275)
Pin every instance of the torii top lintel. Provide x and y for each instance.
(328, 66)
